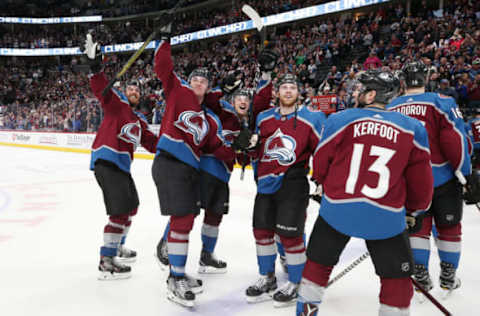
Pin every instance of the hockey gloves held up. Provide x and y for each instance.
(230, 84)
(471, 193)
(94, 54)
(242, 142)
(163, 26)
(267, 59)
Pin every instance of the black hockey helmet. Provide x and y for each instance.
(241, 92)
(200, 72)
(399, 74)
(415, 74)
(383, 82)
(287, 78)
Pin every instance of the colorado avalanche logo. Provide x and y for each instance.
(229, 135)
(131, 133)
(193, 123)
(280, 147)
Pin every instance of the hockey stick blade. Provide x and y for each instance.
(431, 298)
(254, 16)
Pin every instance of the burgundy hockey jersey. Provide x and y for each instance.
(184, 126)
(449, 143)
(373, 165)
(121, 130)
(285, 140)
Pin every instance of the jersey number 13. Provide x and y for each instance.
(379, 166)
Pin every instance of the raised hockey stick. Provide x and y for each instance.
(350, 267)
(137, 54)
(431, 298)
(257, 22)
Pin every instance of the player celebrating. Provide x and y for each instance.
(120, 133)
(373, 166)
(449, 153)
(288, 136)
(215, 173)
(185, 130)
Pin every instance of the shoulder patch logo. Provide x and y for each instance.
(193, 123)
(280, 147)
(131, 133)
(229, 135)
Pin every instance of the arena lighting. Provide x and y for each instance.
(53, 20)
(289, 16)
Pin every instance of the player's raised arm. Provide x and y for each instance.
(98, 80)
(163, 64)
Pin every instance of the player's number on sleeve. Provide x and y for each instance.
(379, 166)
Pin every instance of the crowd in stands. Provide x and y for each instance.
(325, 54)
(68, 35)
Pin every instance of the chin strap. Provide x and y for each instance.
(295, 118)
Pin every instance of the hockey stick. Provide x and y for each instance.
(431, 298)
(350, 267)
(137, 54)
(257, 22)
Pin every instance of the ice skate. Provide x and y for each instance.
(262, 290)
(111, 269)
(211, 265)
(423, 278)
(126, 255)
(286, 295)
(179, 291)
(162, 255)
(196, 285)
(448, 280)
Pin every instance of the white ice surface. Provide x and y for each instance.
(51, 221)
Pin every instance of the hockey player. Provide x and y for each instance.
(473, 128)
(374, 167)
(120, 133)
(450, 159)
(288, 135)
(185, 130)
(214, 173)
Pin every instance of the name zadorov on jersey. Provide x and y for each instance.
(412, 109)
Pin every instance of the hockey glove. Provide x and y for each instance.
(93, 52)
(267, 59)
(471, 193)
(317, 195)
(415, 221)
(230, 84)
(242, 142)
(163, 25)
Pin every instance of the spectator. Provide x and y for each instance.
(445, 89)
(372, 61)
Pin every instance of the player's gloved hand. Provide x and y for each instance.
(242, 142)
(94, 54)
(163, 26)
(471, 194)
(230, 84)
(414, 221)
(267, 60)
(317, 195)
